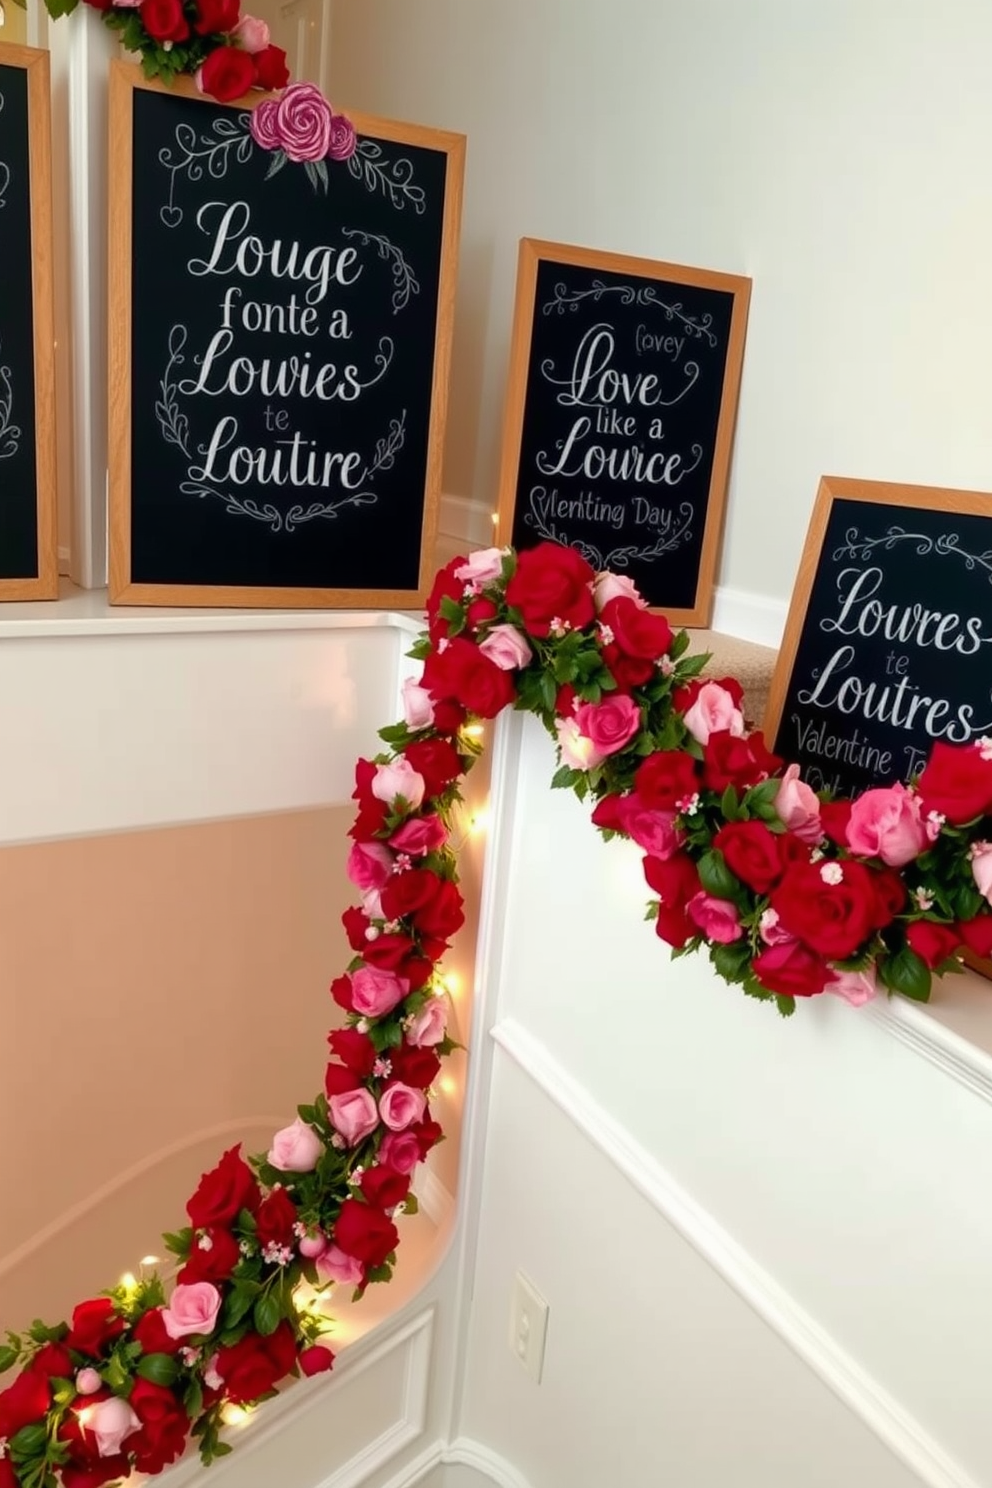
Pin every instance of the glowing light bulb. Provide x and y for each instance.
(451, 982)
(129, 1282)
(495, 519)
(447, 1085)
(234, 1415)
(85, 1416)
(474, 730)
(479, 822)
(150, 1260)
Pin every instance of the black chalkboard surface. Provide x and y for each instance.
(279, 358)
(28, 558)
(884, 651)
(620, 415)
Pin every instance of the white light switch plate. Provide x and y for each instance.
(528, 1325)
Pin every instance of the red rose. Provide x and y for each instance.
(445, 586)
(552, 583)
(315, 1359)
(890, 896)
(365, 1232)
(444, 914)
(354, 1049)
(388, 952)
(404, 893)
(275, 1219)
(355, 922)
(606, 814)
(753, 853)
(213, 1263)
(252, 1367)
(7, 1475)
(566, 700)
(729, 760)
(224, 1192)
(674, 880)
(666, 778)
(977, 934)
(52, 1362)
(94, 1324)
(164, 20)
(164, 1427)
(684, 697)
(416, 1067)
(635, 630)
(790, 970)
(479, 612)
(227, 73)
(150, 1332)
(340, 990)
(216, 17)
(831, 917)
(957, 782)
(463, 672)
(933, 942)
(94, 1474)
(437, 760)
(385, 1187)
(271, 72)
(22, 1403)
(834, 817)
(427, 1132)
(449, 716)
(627, 672)
(338, 1080)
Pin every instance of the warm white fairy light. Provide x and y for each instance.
(474, 730)
(129, 1282)
(479, 821)
(494, 518)
(234, 1415)
(447, 1085)
(451, 982)
(150, 1260)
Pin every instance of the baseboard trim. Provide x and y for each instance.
(749, 617)
(920, 1031)
(901, 1432)
(462, 1452)
(464, 520)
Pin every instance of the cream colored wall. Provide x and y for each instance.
(15, 26)
(834, 151)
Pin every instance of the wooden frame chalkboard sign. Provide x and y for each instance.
(620, 410)
(884, 648)
(28, 499)
(279, 353)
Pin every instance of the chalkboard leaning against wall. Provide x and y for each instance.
(28, 504)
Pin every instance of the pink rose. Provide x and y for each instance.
(578, 752)
(252, 33)
(427, 1027)
(771, 931)
(334, 1265)
(372, 904)
(607, 586)
(713, 711)
(419, 835)
(370, 865)
(303, 122)
(507, 647)
(856, 987)
(193, 1308)
(716, 918)
(312, 1246)
(652, 829)
(354, 1115)
(798, 806)
(981, 868)
(88, 1381)
(609, 725)
(211, 1378)
(887, 823)
(401, 1106)
(418, 705)
(344, 141)
(400, 1151)
(127, 4)
(481, 568)
(296, 1148)
(375, 992)
(264, 125)
(398, 778)
(111, 1422)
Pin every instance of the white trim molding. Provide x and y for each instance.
(919, 1028)
(901, 1432)
(462, 1452)
(749, 617)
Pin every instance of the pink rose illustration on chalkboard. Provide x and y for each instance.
(301, 126)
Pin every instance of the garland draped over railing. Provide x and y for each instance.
(791, 895)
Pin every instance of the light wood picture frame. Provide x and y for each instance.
(127, 585)
(701, 348)
(28, 415)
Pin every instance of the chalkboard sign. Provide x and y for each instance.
(28, 550)
(884, 650)
(279, 349)
(620, 416)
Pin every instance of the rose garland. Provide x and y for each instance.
(228, 55)
(791, 894)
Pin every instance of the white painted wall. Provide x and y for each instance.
(833, 150)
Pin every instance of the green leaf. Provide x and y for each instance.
(411, 1204)
(8, 1358)
(180, 1242)
(730, 805)
(908, 973)
(58, 8)
(267, 1314)
(30, 1441)
(731, 961)
(786, 1005)
(239, 1303)
(564, 778)
(160, 1369)
(715, 877)
(114, 1374)
(193, 1399)
(549, 692)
